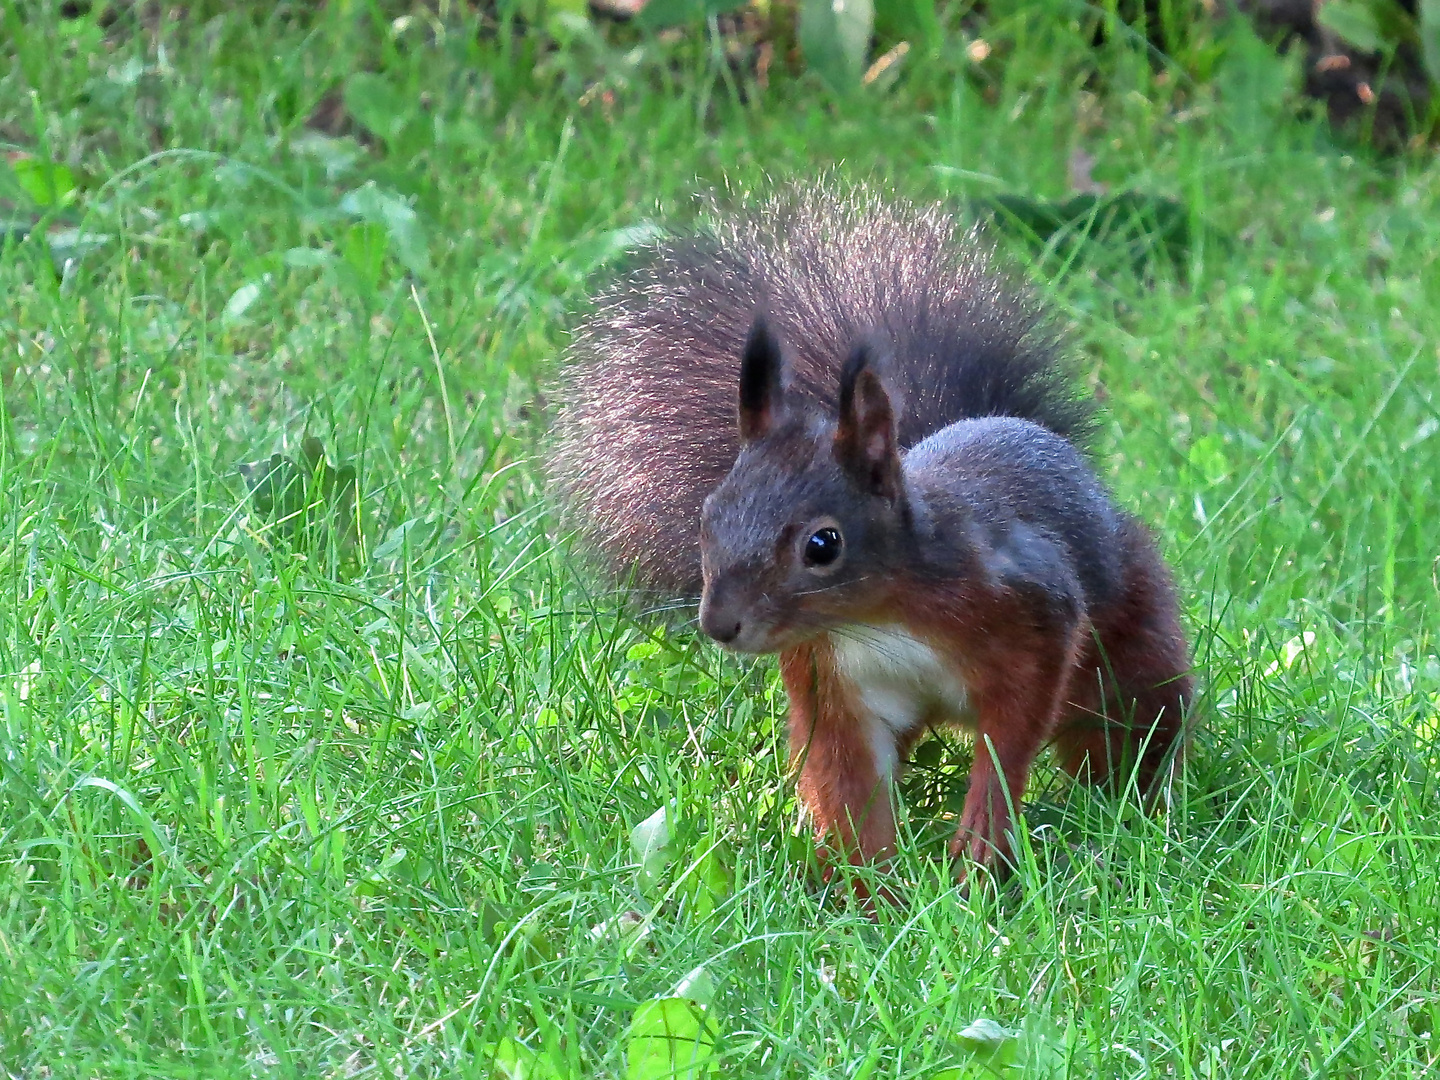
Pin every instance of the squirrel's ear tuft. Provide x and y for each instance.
(865, 441)
(762, 381)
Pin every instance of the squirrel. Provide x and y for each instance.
(834, 421)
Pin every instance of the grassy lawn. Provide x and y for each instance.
(339, 806)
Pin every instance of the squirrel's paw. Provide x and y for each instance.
(984, 846)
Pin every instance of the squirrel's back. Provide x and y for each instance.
(647, 424)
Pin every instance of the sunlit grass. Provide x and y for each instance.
(354, 811)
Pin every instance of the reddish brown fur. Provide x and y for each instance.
(838, 781)
(1033, 685)
(1131, 685)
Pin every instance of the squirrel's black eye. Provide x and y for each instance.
(823, 547)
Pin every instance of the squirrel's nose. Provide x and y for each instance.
(724, 626)
(725, 632)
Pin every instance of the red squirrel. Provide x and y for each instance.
(831, 418)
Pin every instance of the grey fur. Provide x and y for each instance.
(1005, 475)
(647, 424)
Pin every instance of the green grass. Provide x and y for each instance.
(356, 812)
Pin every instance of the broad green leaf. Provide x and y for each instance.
(631, 237)
(914, 21)
(69, 244)
(363, 248)
(710, 881)
(929, 754)
(299, 497)
(1396, 24)
(650, 843)
(568, 20)
(696, 986)
(48, 183)
(337, 156)
(835, 38)
(986, 1034)
(376, 105)
(241, 301)
(643, 650)
(995, 1047)
(598, 251)
(307, 258)
(670, 1038)
(1354, 21)
(397, 217)
(1429, 16)
(1207, 457)
(627, 929)
(513, 1060)
(1255, 82)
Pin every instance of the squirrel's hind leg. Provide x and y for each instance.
(1106, 729)
(1131, 693)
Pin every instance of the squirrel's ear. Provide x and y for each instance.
(762, 381)
(865, 440)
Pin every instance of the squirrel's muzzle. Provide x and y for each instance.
(727, 612)
(720, 621)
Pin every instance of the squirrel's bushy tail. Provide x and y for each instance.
(647, 420)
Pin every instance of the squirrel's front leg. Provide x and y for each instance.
(845, 766)
(1018, 706)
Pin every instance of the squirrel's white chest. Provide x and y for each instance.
(901, 681)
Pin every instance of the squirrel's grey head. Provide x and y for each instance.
(804, 532)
